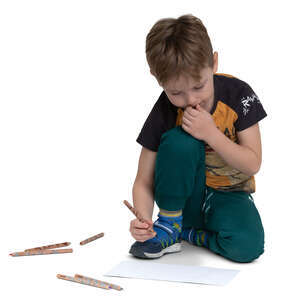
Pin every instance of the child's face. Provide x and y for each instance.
(185, 91)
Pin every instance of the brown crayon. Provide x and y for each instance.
(52, 246)
(137, 214)
(41, 252)
(95, 237)
(111, 285)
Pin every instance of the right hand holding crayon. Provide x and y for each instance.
(140, 230)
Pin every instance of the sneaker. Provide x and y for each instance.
(167, 239)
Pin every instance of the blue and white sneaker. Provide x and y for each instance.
(167, 239)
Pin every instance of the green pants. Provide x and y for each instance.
(231, 219)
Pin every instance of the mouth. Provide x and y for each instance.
(202, 105)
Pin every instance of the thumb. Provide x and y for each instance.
(149, 223)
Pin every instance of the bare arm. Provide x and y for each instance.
(142, 191)
(142, 194)
(244, 156)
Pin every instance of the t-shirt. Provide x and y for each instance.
(235, 108)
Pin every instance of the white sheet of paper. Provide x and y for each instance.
(168, 272)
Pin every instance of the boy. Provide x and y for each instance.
(201, 148)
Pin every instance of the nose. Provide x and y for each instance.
(191, 101)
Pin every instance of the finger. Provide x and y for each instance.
(185, 128)
(199, 106)
(139, 224)
(143, 226)
(188, 116)
(140, 231)
(143, 229)
(143, 232)
(146, 233)
(135, 230)
(144, 236)
(139, 237)
(186, 121)
(191, 111)
(133, 227)
(149, 222)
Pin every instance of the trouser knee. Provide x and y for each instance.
(181, 145)
(242, 247)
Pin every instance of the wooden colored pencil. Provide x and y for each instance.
(42, 252)
(66, 277)
(92, 283)
(83, 281)
(111, 285)
(52, 246)
(95, 237)
(136, 213)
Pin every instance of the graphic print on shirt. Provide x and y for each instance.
(247, 103)
(219, 174)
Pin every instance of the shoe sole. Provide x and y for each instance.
(171, 249)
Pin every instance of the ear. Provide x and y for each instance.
(216, 60)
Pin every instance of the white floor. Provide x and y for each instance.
(35, 277)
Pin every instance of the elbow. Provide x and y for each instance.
(254, 164)
(252, 172)
(254, 169)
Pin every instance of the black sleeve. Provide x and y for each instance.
(249, 108)
(154, 127)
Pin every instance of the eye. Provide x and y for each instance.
(198, 87)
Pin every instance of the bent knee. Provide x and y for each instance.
(243, 248)
(179, 142)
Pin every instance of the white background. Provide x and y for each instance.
(75, 90)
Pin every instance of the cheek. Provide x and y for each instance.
(205, 95)
(210, 90)
(177, 101)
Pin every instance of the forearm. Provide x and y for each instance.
(239, 157)
(143, 199)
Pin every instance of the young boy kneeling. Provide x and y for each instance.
(201, 148)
